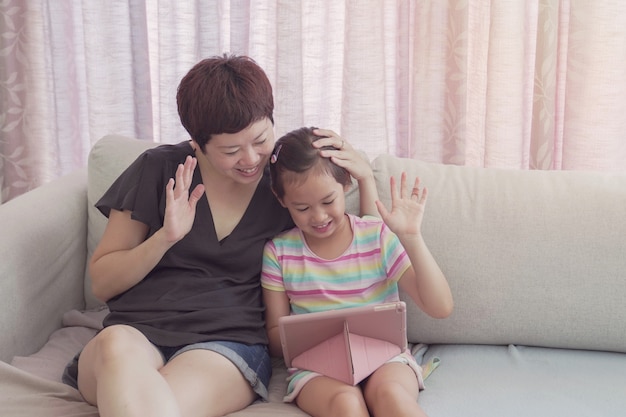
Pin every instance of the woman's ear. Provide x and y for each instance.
(196, 147)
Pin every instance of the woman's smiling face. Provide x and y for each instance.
(241, 156)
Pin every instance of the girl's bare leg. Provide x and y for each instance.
(392, 391)
(327, 397)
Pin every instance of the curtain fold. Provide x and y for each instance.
(514, 84)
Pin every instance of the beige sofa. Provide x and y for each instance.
(536, 262)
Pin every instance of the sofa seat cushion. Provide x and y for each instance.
(511, 381)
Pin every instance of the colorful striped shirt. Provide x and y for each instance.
(366, 273)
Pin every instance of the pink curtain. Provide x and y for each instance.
(517, 84)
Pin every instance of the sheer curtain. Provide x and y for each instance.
(517, 84)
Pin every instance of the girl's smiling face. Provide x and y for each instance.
(317, 205)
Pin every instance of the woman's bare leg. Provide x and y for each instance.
(207, 384)
(118, 371)
(123, 374)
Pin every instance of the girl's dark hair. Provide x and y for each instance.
(294, 155)
(223, 94)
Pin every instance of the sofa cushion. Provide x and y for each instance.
(42, 256)
(532, 257)
(519, 381)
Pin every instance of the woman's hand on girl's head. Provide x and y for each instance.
(180, 206)
(344, 155)
(356, 163)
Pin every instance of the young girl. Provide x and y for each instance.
(336, 260)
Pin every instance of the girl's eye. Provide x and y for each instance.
(261, 142)
(302, 209)
(328, 203)
(231, 153)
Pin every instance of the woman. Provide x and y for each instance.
(180, 259)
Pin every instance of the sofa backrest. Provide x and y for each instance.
(532, 257)
(42, 256)
(107, 160)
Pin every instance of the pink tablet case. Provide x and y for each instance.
(347, 344)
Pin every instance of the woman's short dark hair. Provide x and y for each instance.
(223, 94)
(294, 154)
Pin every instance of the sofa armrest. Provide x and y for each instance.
(42, 262)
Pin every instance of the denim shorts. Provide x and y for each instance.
(253, 361)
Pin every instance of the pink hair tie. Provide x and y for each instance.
(274, 156)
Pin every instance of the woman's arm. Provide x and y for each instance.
(124, 256)
(356, 164)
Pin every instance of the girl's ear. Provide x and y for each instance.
(347, 188)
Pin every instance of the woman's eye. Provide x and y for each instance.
(302, 209)
(328, 203)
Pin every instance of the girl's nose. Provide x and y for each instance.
(319, 215)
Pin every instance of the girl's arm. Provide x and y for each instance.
(276, 306)
(424, 282)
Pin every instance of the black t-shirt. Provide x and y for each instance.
(202, 289)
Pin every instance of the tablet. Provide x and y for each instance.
(346, 344)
